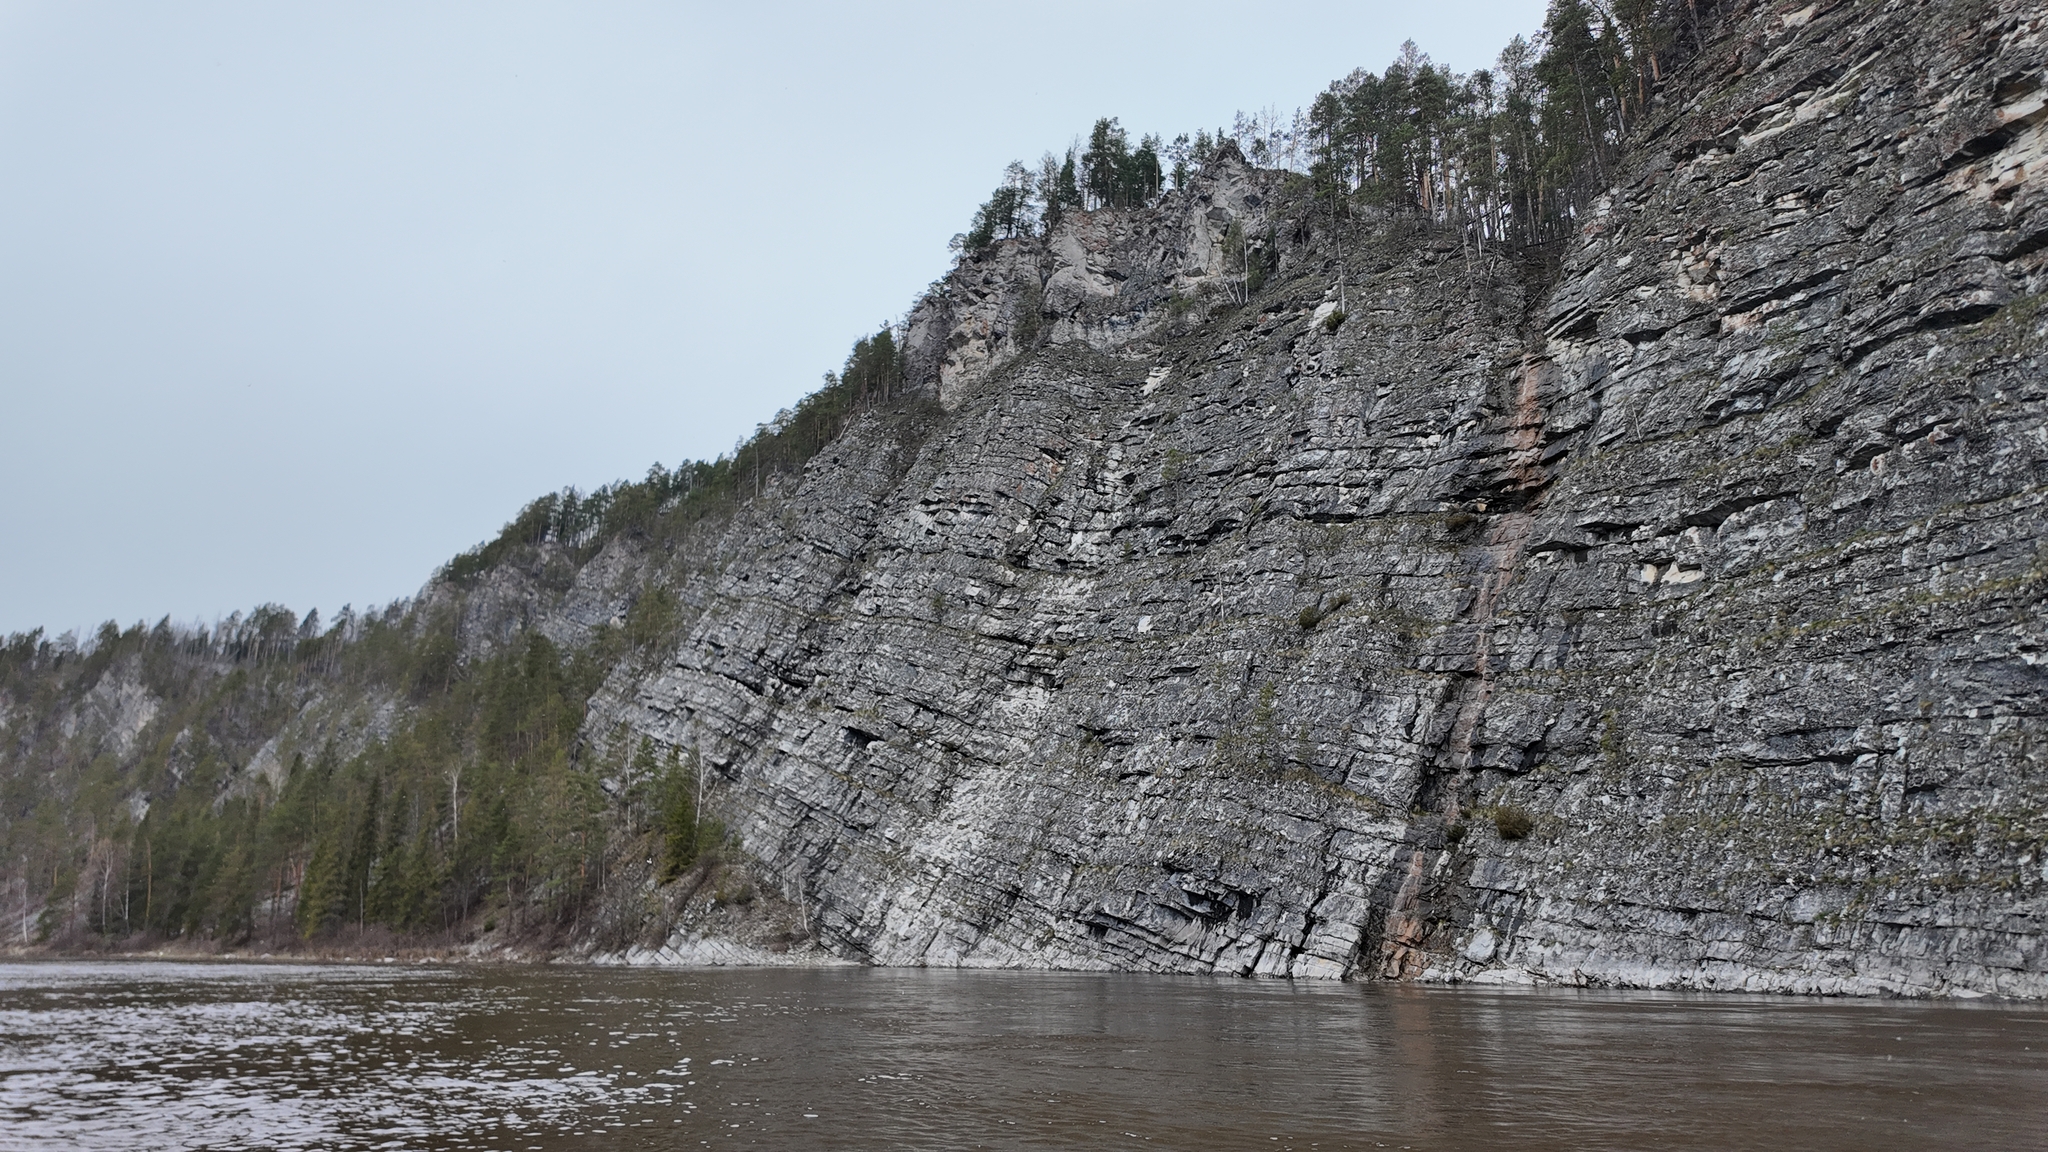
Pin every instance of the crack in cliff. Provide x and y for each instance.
(1444, 790)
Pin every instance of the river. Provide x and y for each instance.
(128, 1055)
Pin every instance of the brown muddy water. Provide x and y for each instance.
(233, 1056)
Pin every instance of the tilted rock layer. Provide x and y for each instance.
(1237, 644)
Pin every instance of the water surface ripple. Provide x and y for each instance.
(249, 1056)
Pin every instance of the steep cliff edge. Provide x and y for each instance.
(1242, 645)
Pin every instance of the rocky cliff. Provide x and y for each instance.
(1263, 589)
(1673, 621)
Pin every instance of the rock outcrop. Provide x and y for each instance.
(1672, 621)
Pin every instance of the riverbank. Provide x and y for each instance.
(721, 915)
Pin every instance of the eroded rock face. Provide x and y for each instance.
(1789, 549)
(1242, 645)
(1107, 279)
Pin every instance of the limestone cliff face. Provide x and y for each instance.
(1108, 280)
(1215, 644)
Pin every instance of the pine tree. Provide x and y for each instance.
(873, 371)
(1067, 193)
(1106, 163)
(1146, 179)
(681, 823)
(1006, 213)
(1052, 205)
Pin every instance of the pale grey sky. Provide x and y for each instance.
(297, 301)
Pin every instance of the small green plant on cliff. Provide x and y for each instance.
(1030, 323)
(1512, 822)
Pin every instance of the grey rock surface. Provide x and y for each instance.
(1232, 643)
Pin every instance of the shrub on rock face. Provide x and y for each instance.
(1513, 823)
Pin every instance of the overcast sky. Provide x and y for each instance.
(297, 301)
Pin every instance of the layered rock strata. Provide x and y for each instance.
(1260, 592)
(1710, 571)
